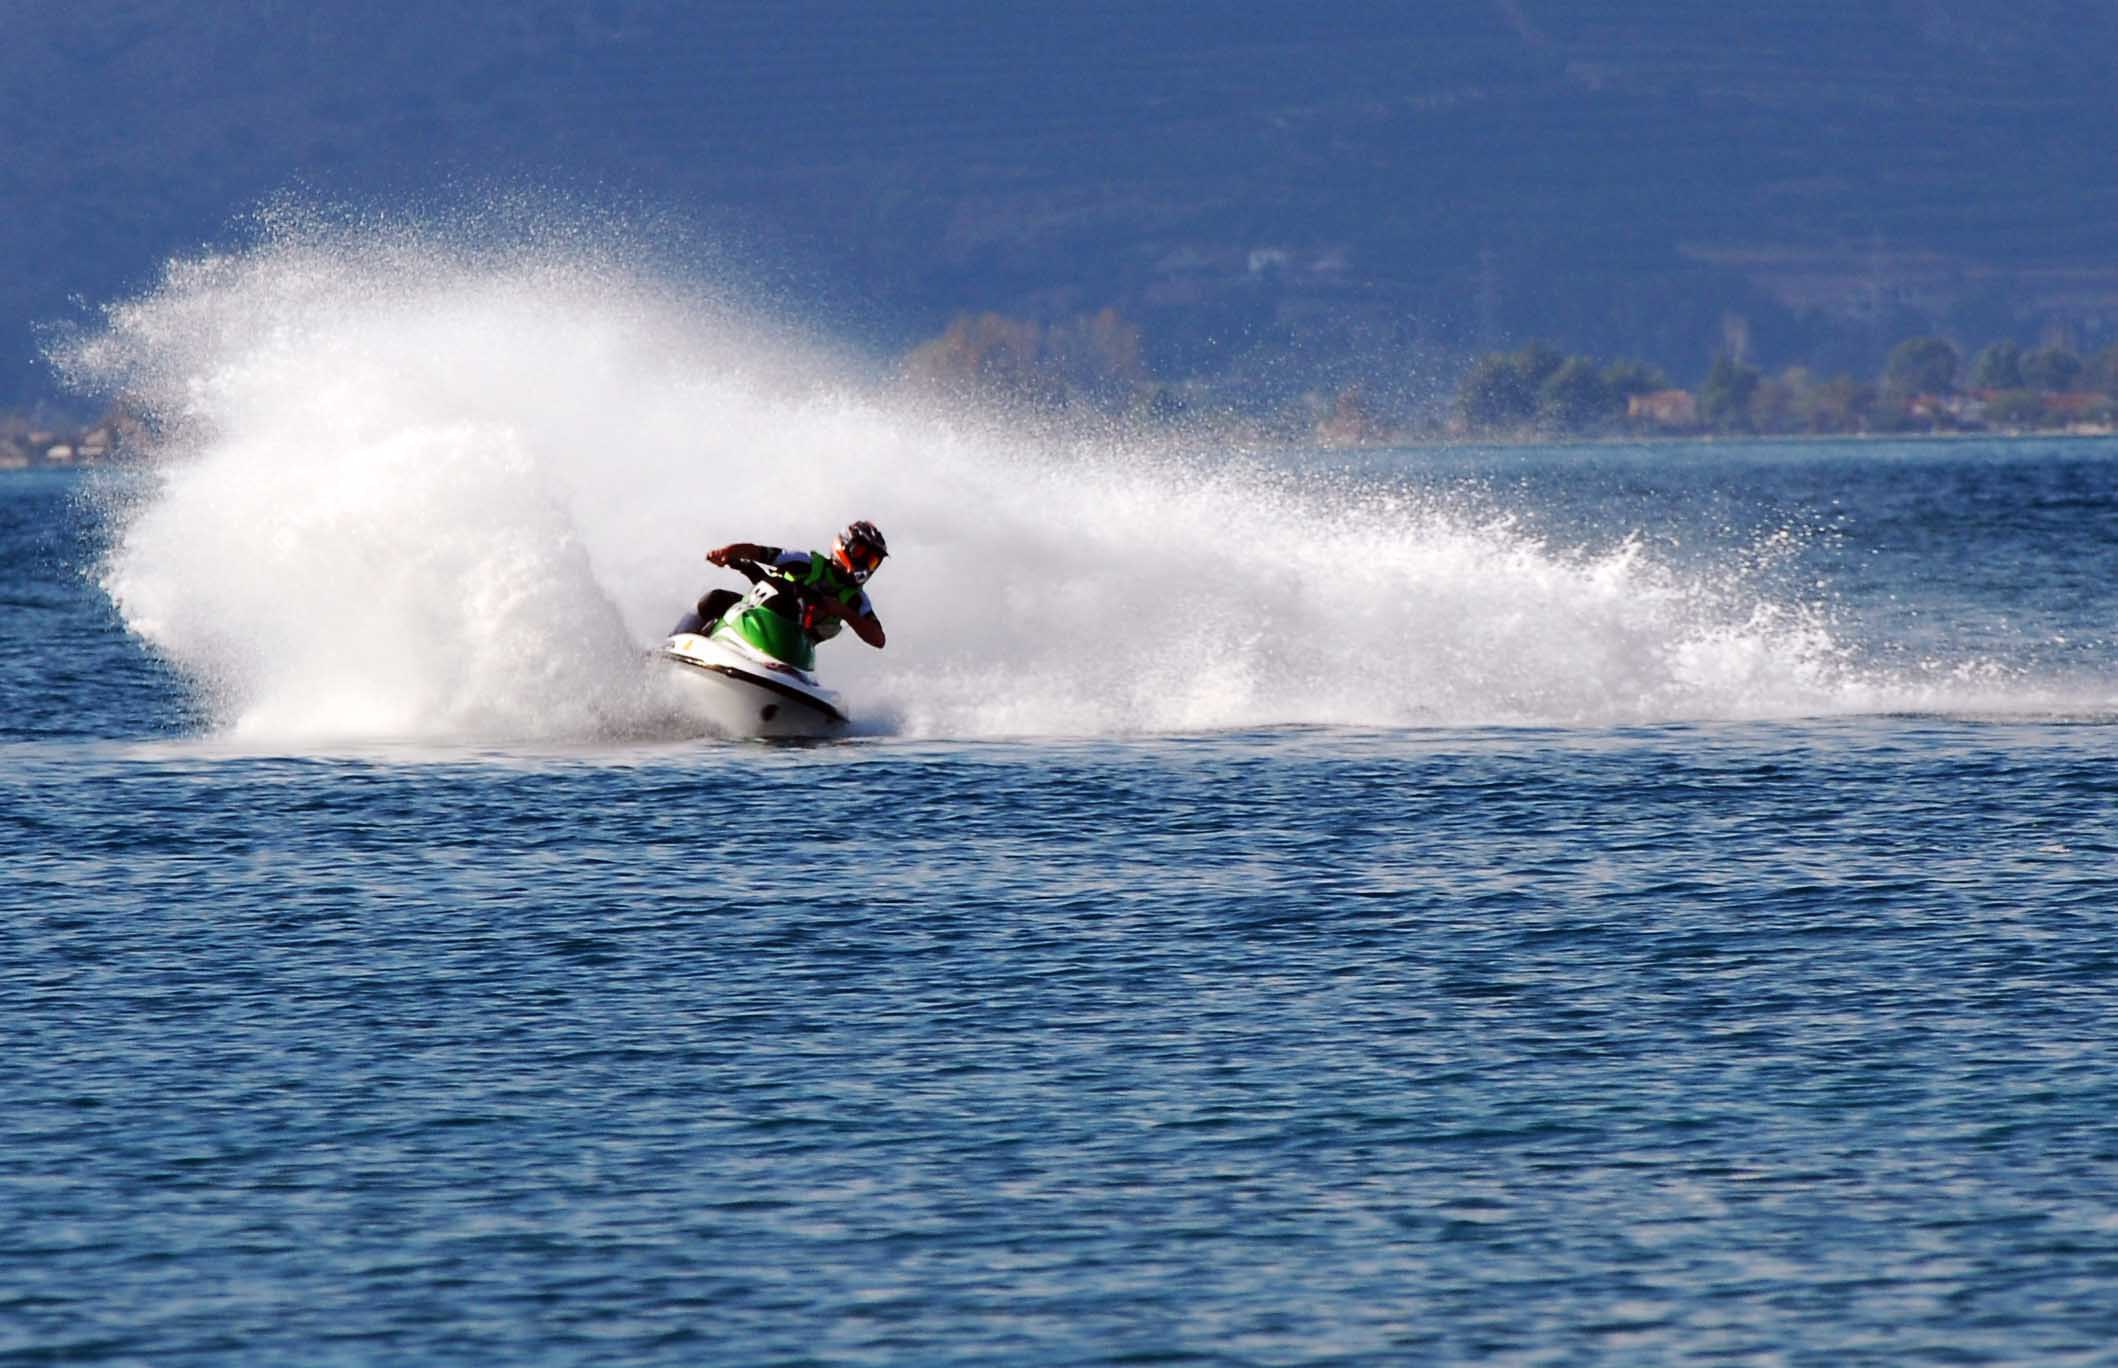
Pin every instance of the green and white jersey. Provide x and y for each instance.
(818, 574)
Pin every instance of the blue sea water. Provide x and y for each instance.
(1767, 1019)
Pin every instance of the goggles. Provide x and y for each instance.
(859, 557)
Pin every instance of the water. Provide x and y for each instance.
(1530, 905)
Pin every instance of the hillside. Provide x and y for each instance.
(1274, 194)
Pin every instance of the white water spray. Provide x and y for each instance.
(409, 490)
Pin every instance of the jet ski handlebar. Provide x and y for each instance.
(757, 574)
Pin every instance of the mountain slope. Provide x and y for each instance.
(1352, 184)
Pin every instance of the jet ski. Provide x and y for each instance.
(748, 670)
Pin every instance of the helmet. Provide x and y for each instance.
(859, 549)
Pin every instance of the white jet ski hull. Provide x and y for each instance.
(741, 692)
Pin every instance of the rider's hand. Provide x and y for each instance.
(719, 555)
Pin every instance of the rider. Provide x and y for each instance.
(820, 591)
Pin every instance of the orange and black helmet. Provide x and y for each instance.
(859, 549)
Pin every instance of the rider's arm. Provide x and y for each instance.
(860, 616)
(868, 628)
(745, 551)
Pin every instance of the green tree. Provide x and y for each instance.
(1840, 404)
(1724, 400)
(1538, 362)
(1998, 367)
(1575, 397)
(1495, 394)
(987, 350)
(1922, 365)
(1778, 403)
(1096, 356)
(2053, 370)
(1627, 378)
(2016, 408)
(2102, 374)
(1501, 390)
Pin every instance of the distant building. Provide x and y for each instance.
(1670, 408)
(2079, 407)
(2089, 413)
(1349, 423)
(1947, 410)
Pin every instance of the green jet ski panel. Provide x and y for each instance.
(776, 635)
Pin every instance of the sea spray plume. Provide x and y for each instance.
(1139, 586)
(372, 512)
(422, 584)
(418, 484)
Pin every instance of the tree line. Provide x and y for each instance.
(1097, 360)
(1926, 385)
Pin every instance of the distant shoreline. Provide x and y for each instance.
(1754, 439)
(28, 444)
(72, 454)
